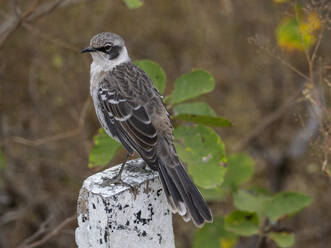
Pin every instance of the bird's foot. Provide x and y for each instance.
(117, 180)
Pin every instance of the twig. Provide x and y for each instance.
(41, 230)
(56, 137)
(310, 58)
(318, 43)
(270, 52)
(325, 168)
(12, 215)
(300, 142)
(14, 22)
(47, 139)
(52, 234)
(45, 9)
(58, 42)
(32, 13)
(288, 65)
(268, 120)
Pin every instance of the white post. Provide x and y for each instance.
(112, 216)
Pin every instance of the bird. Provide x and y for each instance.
(131, 110)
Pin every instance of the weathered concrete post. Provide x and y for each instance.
(113, 216)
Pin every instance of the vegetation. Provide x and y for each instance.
(203, 151)
(260, 163)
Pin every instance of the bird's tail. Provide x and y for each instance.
(183, 196)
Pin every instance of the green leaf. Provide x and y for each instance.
(286, 203)
(155, 73)
(196, 108)
(282, 239)
(2, 160)
(214, 235)
(133, 4)
(288, 35)
(215, 194)
(204, 120)
(297, 35)
(104, 149)
(240, 170)
(200, 113)
(252, 202)
(242, 223)
(203, 151)
(191, 85)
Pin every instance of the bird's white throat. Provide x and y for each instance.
(100, 62)
(101, 65)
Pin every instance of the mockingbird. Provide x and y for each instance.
(130, 109)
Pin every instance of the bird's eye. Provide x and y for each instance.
(108, 47)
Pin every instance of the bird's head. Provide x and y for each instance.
(107, 50)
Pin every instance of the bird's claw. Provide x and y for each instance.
(117, 180)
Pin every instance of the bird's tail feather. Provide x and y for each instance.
(183, 196)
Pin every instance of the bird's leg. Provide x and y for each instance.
(118, 177)
(117, 180)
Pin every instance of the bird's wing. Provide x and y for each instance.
(129, 121)
(129, 102)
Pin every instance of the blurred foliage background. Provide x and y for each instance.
(270, 60)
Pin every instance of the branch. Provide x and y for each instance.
(300, 142)
(71, 133)
(325, 168)
(38, 142)
(263, 45)
(41, 230)
(32, 13)
(47, 37)
(52, 234)
(267, 121)
(288, 65)
(44, 10)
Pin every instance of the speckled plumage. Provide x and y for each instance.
(101, 39)
(131, 110)
(133, 113)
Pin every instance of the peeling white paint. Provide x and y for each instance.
(111, 216)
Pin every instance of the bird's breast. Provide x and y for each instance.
(97, 76)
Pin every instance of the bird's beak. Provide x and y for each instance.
(88, 50)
